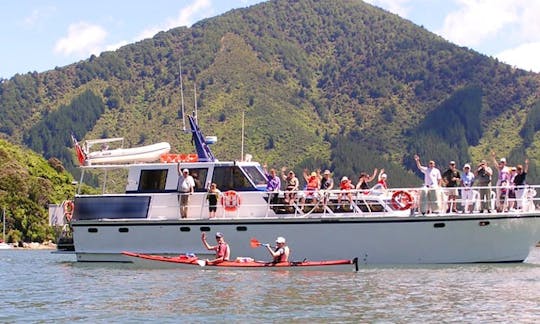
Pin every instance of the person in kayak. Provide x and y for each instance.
(281, 252)
(223, 252)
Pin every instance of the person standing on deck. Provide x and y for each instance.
(212, 196)
(432, 182)
(519, 182)
(186, 185)
(467, 180)
(483, 180)
(273, 185)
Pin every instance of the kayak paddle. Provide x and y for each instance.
(255, 243)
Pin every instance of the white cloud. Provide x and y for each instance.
(396, 6)
(186, 17)
(82, 39)
(524, 56)
(477, 20)
(37, 16)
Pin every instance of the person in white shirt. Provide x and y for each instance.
(432, 182)
(467, 180)
(186, 185)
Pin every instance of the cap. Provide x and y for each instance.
(344, 179)
(384, 175)
(326, 171)
(185, 170)
(503, 160)
(483, 162)
(219, 234)
(280, 239)
(467, 165)
(452, 162)
(313, 174)
(514, 169)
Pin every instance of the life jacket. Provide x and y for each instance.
(282, 257)
(221, 251)
(313, 183)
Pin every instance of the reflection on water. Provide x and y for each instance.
(39, 286)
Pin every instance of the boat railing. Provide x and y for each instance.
(374, 202)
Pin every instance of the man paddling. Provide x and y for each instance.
(280, 252)
(223, 252)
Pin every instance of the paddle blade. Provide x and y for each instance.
(201, 263)
(254, 243)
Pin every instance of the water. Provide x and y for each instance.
(37, 286)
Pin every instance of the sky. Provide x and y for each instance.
(39, 35)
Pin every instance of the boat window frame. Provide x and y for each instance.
(144, 178)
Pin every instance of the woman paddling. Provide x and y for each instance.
(281, 252)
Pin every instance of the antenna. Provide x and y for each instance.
(182, 97)
(195, 97)
(242, 146)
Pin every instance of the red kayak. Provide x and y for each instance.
(184, 261)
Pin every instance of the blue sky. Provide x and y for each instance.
(38, 35)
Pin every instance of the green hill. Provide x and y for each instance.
(28, 184)
(323, 84)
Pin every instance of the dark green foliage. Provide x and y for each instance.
(447, 132)
(532, 125)
(52, 135)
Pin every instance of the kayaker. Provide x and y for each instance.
(281, 252)
(223, 252)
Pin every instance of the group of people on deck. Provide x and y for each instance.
(510, 186)
(280, 252)
(318, 184)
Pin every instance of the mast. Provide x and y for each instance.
(242, 145)
(195, 98)
(182, 97)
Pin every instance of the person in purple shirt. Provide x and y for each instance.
(273, 185)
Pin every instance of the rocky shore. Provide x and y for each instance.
(49, 245)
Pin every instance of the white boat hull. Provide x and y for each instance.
(389, 240)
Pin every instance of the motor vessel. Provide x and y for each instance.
(379, 226)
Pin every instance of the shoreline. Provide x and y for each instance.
(33, 246)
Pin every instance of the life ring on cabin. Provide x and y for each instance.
(402, 200)
(69, 207)
(230, 200)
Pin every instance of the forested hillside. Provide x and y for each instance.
(28, 184)
(333, 84)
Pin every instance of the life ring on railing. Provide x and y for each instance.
(402, 200)
(69, 207)
(230, 200)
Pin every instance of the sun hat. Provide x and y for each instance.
(467, 165)
(344, 179)
(384, 175)
(326, 171)
(185, 170)
(280, 239)
(313, 174)
(503, 160)
(452, 162)
(219, 234)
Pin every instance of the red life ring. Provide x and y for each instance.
(69, 207)
(230, 200)
(402, 200)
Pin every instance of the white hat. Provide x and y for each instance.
(326, 171)
(452, 162)
(344, 179)
(467, 165)
(280, 239)
(384, 175)
(503, 160)
(185, 170)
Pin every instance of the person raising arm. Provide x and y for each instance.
(223, 252)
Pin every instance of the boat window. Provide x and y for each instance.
(231, 178)
(199, 176)
(254, 173)
(152, 180)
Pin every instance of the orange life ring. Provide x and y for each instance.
(402, 200)
(192, 158)
(230, 200)
(69, 207)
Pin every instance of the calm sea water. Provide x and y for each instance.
(37, 286)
